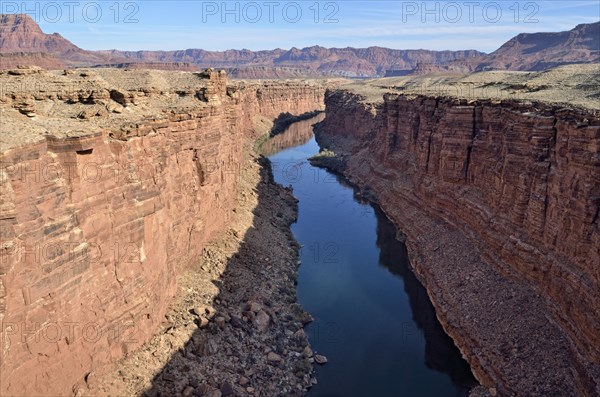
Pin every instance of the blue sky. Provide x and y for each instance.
(256, 25)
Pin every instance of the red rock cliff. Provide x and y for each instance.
(97, 225)
(500, 203)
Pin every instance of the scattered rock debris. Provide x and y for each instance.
(234, 328)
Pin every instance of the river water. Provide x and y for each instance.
(373, 319)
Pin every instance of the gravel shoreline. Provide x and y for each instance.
(235, 327)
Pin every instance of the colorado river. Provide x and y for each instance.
(373, 319)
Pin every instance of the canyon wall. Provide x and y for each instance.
(96, 225)
(499, 201)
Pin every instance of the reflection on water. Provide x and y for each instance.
(373, 319)
(296, 134)
(440, 352)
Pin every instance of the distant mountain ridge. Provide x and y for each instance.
(19, 33)
(540, 51)
(22, 41)
(316, 60)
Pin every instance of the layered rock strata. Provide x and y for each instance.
(111, 183)
(499, 201)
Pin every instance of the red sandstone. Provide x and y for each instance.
(499, 201)
(97, 225)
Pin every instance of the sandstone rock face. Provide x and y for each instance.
(13, 59)
(500, 203)
(96, 226)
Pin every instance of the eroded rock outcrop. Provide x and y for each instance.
(99, 214)
(499, 201)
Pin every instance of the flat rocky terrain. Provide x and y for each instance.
(572, 85)
(35, 103)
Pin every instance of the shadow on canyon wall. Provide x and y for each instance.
(440, 352)
(225, 357)
(215, 348)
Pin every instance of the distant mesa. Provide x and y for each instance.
(182, 66)
(455, 67)
(22, 42)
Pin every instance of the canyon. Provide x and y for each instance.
(116, 180)
(497, 199)
(112, 182)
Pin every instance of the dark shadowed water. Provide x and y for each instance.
(373, 319)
